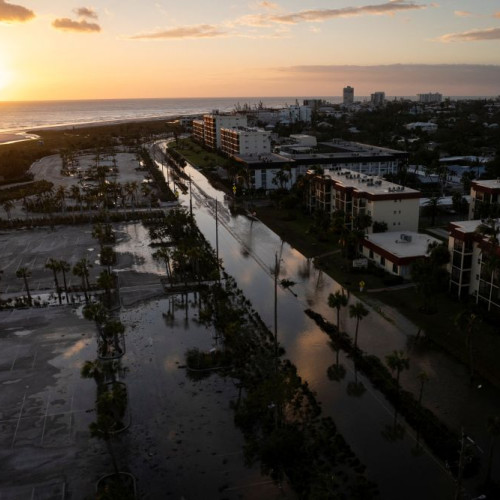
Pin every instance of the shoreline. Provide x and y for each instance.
(14, 137)
(78, 125)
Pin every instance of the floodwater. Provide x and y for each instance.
(248, 249)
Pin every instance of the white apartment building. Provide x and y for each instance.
(295, 113)
(245, 141)
(396, 251)
(470, 273)
(485, 198)
(430, 98)
(199, 131)
(358, 194)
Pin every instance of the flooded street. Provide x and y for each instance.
(248, 250)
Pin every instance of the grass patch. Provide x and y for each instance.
(197, 156)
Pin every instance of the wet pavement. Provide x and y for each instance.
(248, 250)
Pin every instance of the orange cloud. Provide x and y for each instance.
(464, 13)
(66, 24)
(269, 5)
(11, 13)
(86, 12)
(321, 15)
(497, 14)
(196, 31)
(471, 36)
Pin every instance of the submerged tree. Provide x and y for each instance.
(358, 311)
(25, 273)
(337, 301)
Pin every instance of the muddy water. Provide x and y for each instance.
(248, 250)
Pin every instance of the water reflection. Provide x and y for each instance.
(248, 249)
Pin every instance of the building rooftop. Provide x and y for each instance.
(403, 244)
(470, 226)
(260, 158)
(367, 183)
(489, 184)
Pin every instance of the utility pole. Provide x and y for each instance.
(217, 236)
(190, 198)
(276, 273)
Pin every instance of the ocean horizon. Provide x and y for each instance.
(22, 116)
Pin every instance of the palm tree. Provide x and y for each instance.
(466, 320)
(493, 427)
(163, 255)
(106, 280)
(336, 301)
(8, 205)
(96, 312)
(81, 269)
(397, 361)
(432, 208)
(357, 311)
(25, 273)
(113, 329)
(423, 377)
(54, 266)
(64, 267)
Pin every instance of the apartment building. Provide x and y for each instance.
(377, 99)
(245, 141)
(472, 257)
(207, 131)
(485, 199)
(362, 158)
(430, 98)
(395, 252)
(357, 194)
(348, 95)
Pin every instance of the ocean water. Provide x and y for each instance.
(23, 116)
(20, 116)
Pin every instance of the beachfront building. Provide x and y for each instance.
(199, 131)
(377, 99)
(208, 132)
(361, 158)
(348, 95)
(473, 269)
(355, 194)
(396, 251)
(485, 199)
(245, 141)
(430, 98)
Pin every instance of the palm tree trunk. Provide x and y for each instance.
(65, 286)
(27, 290)
(356, 335)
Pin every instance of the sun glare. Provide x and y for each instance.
(5, 75)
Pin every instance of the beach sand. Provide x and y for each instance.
(10, 137)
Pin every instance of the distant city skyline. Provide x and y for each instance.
(66, 49)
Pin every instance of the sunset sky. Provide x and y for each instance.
(65, 49)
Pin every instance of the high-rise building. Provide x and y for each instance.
(378, 98)
(348, 95)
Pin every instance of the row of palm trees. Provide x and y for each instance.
(79, 269)
(398, 361)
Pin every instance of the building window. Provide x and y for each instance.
(382, 261)
(371, 254)
(395, 268)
